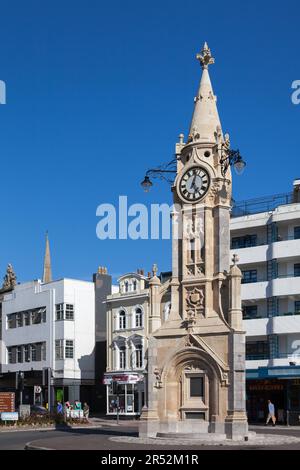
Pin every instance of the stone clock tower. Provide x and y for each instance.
(196, 359)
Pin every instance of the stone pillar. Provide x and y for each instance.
(154, 287)
(236, 425)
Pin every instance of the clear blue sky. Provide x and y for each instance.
(98, 91)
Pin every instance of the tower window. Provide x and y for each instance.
(196, 387)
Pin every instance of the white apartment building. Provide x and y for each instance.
(49, 328)
(265, 234)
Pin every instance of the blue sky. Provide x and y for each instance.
(97, 92)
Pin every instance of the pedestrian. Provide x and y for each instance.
(77, 405)
(86, 410)
(271, 413)
(59, 408)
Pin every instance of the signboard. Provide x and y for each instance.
(37, 389)
(76, 414)
(7, 402)
(123, 379)
(9, 416)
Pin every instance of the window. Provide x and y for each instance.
(10, 321)
(138, 317)
(249, 276)
(43, 312)
(257, 350)
(122, 319)
(139, 355)
(19, 320)
(297, 306)
(297, 232)
(196, 387)
(69, 312)
(36, 316)
(33, 352)
(59, 312)
(122, 357)
(19, 354)
(9, 355)
(59, 349)
(126, 284)
(244, 242)
(26, 318)
(249, 311)
(43, 351)
(69, 351)
(26, 353)
(297, 270)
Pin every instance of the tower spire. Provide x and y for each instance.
(205, 125)
(47, 273)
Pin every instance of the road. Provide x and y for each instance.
(98, 439)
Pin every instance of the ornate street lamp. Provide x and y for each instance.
(162, 172)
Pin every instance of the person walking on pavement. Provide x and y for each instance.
(86, 410)
(271, 413)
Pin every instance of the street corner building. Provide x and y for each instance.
(47, 338)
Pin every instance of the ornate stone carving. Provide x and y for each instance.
(195, 298)
(194, 134)
(158, 382)
(10, 279)
(205, 58)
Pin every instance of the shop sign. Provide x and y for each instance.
(9, 416)
(7, 402)
(122, 379)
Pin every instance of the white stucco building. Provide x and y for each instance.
(128, 312)
(49, 326)
(265, 233)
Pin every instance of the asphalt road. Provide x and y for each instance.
(99, 439)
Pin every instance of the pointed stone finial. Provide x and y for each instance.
(10, 279)
(154, 270)
(47, 272)
(205, 58)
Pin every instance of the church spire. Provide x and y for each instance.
(47, 273)
(205, 125)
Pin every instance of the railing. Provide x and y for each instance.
(262, 204)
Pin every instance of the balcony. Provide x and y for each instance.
(288, 247)
(279, 287)
(284, 323)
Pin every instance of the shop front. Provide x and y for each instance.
(125, 394)
(281, 385)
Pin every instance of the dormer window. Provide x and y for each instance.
(126, 285)
(134, 284)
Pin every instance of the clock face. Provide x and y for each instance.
(194, 184)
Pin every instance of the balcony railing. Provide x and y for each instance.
(262, 204)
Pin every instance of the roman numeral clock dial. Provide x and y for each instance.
(194, 184)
